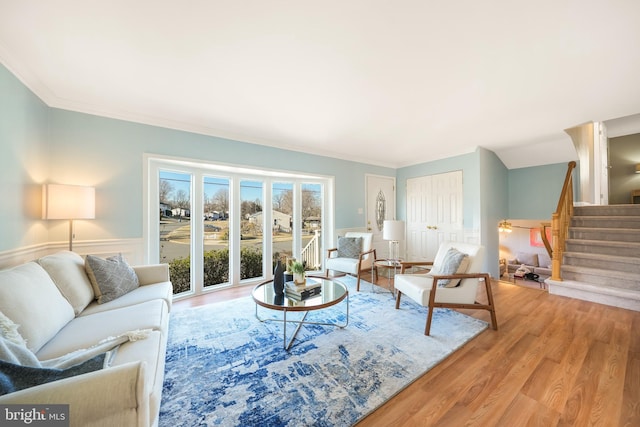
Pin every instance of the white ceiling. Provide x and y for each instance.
(390, 83)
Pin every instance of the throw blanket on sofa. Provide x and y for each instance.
(21, 355)
(20, 368)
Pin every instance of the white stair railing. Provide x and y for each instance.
(311, 253)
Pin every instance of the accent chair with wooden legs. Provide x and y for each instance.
(353, 255)
(451, 282)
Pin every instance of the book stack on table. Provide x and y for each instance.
(311, 288)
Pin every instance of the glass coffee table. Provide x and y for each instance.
(332, 293)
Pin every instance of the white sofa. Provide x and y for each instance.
(53, 303)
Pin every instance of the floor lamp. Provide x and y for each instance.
(393, 231)
(68, 202)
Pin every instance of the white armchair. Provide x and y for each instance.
(352, 261)
(424, 288)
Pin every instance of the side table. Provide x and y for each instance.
(389, 265)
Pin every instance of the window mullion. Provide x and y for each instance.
(197, 232)
(234, 238)
(267, 246)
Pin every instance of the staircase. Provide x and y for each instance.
(602, 256)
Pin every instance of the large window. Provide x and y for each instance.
(220, 226)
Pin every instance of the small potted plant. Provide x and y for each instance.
(297, 268)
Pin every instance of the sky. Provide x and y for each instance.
(249, 190)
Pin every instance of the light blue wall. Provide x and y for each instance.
(493, 205)
(534, 191)
(109, 153)
(23, 163)
(41, 144)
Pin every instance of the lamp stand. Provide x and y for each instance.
(70, 235)
(394, 250)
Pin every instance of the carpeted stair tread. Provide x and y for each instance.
(608, 210)
(607, 222)
(602, 277)
(607, 234)
(631, 249)
(628, 264)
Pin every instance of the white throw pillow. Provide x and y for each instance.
(67, 272)
(111, 277)
(454, 262)
(29, 298)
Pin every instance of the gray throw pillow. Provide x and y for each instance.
(349, 247)
(454, 262)
(111, 277)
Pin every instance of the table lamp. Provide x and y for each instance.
(393, 231)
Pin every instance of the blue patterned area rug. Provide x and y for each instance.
(226, 368)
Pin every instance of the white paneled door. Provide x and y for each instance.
(434, 213)
(381, 205)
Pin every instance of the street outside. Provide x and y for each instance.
(175, 238)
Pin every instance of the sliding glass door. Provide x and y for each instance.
(221, 226)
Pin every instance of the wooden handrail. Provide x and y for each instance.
(560, 220)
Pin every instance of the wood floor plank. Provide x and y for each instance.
(606, 410)
(554, 361)
(581, 399)
(630, 411)
(525, 411)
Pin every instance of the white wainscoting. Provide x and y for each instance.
(131, 249)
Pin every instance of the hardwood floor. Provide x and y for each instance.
(554, 361)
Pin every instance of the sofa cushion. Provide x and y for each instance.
(67, 272)
(111, 277)
(29, 297)
(527, 259)
(151, 350)
(544, 261)
(160, 291)
(349, 247)
(86, 331)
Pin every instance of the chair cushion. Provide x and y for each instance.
(454, 262)
(111, 277)
(349, 247)
(345, 265)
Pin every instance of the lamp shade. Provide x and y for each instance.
(68, 202)
(393, 230)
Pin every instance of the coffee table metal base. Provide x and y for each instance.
(287, 345)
